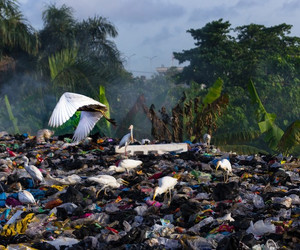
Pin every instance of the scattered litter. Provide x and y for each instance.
(161, 196)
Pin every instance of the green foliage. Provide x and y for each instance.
(265, 120)
(286, 142)
(214, 92)
(242, 149)
(291, 139)
(267, 55)
(11, 116)
(16, 34)
(201, 114)
(69, 126)
(106, 127)
(68, 73)
(244, 136)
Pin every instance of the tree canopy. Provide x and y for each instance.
(266, 55)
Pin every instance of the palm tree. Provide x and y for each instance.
(58, 31)
(15, 32)
(93, 35)
(18, 39)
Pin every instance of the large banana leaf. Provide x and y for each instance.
(290, 138)
(103, 99)
(11, 116)
(214, 92)
(265, 120)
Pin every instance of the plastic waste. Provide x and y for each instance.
(63, 241)
(196, 228)
(141, 210)
(286, 201)
(258, 201)
(2, 199)
(18, 227)
(15, 217)
(257, 209)
(295, 199)
(4, 215)
(270, 245)
(260, 228)
(168, 243)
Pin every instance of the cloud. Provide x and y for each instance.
(162, 35)
(130, 11)
(216, 12)
(158, 27)
(291, 6)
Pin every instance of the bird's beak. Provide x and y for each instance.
(218, 164)
(154, 194)
(124, 182)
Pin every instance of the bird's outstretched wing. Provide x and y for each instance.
(86, 124)
(67, 105)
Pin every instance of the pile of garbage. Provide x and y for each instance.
(73, 206)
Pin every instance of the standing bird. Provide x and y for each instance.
(106, 181)
(33, 171)
(91, 112)
(206, 139)
(166, 183)
(129, 164)
(226, 166)
(127, 139)
(24, 196)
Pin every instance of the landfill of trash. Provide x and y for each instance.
(71, 206)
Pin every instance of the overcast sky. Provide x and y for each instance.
(151, 30)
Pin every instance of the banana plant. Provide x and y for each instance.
(290, 141)
(266, 121)
(200, 115)
(276, 139)
(11, 116)
(104, 125)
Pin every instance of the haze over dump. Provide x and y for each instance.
(150, 30)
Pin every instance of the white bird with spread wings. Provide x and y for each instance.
(91, 112)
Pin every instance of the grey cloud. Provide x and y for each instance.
(245, 4)
(291, 6)
(161, 36)
(137, 11)
(212, 13)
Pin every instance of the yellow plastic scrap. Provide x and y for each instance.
(246, 176)
(140, 172)
(18, 227)
(78, 226)
(59, 188)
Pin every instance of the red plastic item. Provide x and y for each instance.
(155, 176)
(11, 153)
(112, 230)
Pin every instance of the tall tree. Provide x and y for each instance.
(16, 33)
(267, 55)
(18, 40)
(58, 31)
